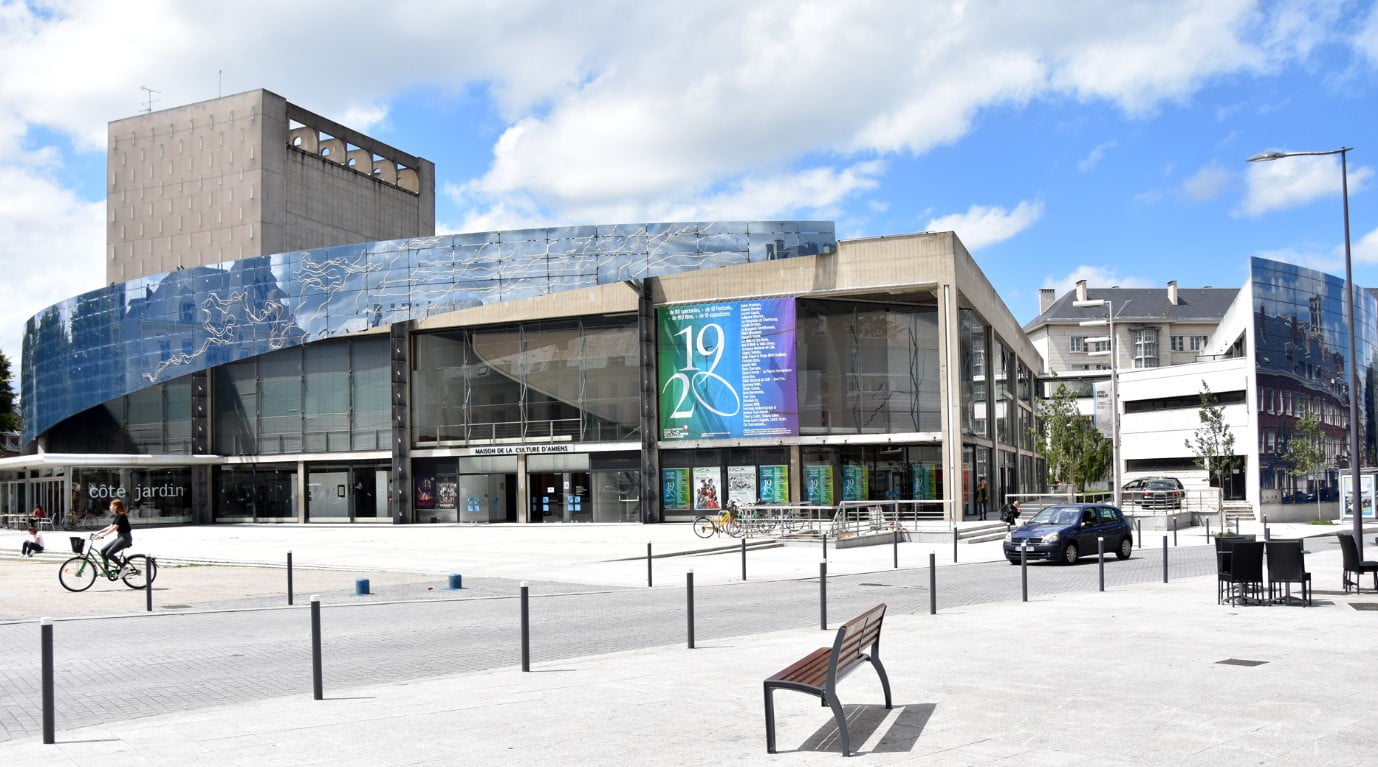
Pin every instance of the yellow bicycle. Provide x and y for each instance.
(707, 526)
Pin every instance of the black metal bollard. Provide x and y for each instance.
(954, 544)
(1100, 557)
(526, 628)
(689, 591)
(1236, 525)
(150, 566)
(1208, 529)
(1139, 526)
(897, 548)
(1164, 559)
(932, 584)
(743, 559)
(1024, 570)
(825, 546)
(648, 564)
(1174, 531)
(823, 595)
(289, 577)
(317, 684)
(45, 634)
(1265, 527)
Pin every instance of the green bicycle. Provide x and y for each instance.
(79, 572)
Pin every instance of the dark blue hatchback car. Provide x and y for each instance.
(1065, 532)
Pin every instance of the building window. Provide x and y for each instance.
(1078, 343)
(1198, 343)
(1146, 348)
(1179, 344)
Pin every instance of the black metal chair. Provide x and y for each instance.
(1223, 586)
(1246, 571)
(1287, 565)
(1353, 565)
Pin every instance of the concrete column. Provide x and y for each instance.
(796, 475)
(301, 491)
(523, 491)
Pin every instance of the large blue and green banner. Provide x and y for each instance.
(727, 370)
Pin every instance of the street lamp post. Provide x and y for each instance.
(1109, 322)
(1355, 457)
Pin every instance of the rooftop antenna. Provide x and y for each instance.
(148, 97)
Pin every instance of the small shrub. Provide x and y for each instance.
(1321, 522)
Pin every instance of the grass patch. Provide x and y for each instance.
(1321, 522)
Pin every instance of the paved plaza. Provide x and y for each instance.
(418, 674)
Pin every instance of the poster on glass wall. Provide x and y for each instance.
(856, 479)
(921, 476)
(774, 484)
(741, 484)
(674, 488)
(1365, 487)
(819, 484)
(447, 493)
(425, 492)
(727, 370)
(707, 490)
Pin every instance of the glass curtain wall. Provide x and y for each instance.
(152, 421)
(560, 380)
(975, 393)
(867, 368)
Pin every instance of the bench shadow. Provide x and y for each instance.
(864, 719)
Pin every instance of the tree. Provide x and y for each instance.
(1074, 451)
(1213, 444)
(9, 418)
(1305, 449)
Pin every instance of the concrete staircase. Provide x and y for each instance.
(967, 532)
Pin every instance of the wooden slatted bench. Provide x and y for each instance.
(819, 672)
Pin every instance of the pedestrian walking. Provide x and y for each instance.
(982, 496)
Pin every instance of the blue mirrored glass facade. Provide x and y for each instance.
(1301, 348)
(130, 336)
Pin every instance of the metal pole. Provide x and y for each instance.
(823, 595)
(1355, 457)
(289, 578)
(1114, 404)
(45, 634)
(526, 628)
(1024, 570)
(1208, 528)
(1139, 539)
(1265, 527)
(932, 584)
(1236, 525)
(897, 547)
(1174, 531)
(825, 546)
(954, 544)
(1164, 559)
(150, 565)
(648, 564)
(1100, 557)
(689, 590)
(743, 559)
(317, 684)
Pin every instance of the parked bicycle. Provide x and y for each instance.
(79, 572)
(707, 526)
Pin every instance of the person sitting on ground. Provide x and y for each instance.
(33, 544)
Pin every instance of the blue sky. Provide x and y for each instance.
(1103, 140)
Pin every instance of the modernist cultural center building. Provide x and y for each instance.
(285, 338)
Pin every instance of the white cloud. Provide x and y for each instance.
(1365, 250)
(1207, 184)
(1292, 181)
(1093, 158)
(1096, 277)
(980, 225)
(1366, 37)
(1331, 262)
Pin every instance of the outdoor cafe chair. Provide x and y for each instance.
(1224, 546)
(1287, 565)
(1353, 565)
(1246, 571)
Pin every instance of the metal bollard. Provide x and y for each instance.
(45, 634)
(1265, 527)
(825, 546)
(1208, 529)
(1139, 526)
(526, 628)
(361, 587)
(823, 595)
(150, 566)
(897, 548)
(456, 582)
(689, 591)
(743, 559)
(1024, 569)
(1174, 531)
(932, 584)
(1100, 556)
(289, 578)
(954, 544)
(1236, 525)
(648, 564)
(317, 684)
(1164, 559)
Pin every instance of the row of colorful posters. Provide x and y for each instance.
(741, 484)
(922, 476)
(707, 495)
(674, 488)
(856, 482)
(699, 488)
(727, 370)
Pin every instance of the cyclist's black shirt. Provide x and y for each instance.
(122, 524)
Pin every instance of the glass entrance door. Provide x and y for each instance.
(560, 497)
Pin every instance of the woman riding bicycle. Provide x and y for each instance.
(120, 527)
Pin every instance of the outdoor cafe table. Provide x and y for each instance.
(1223, 562)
